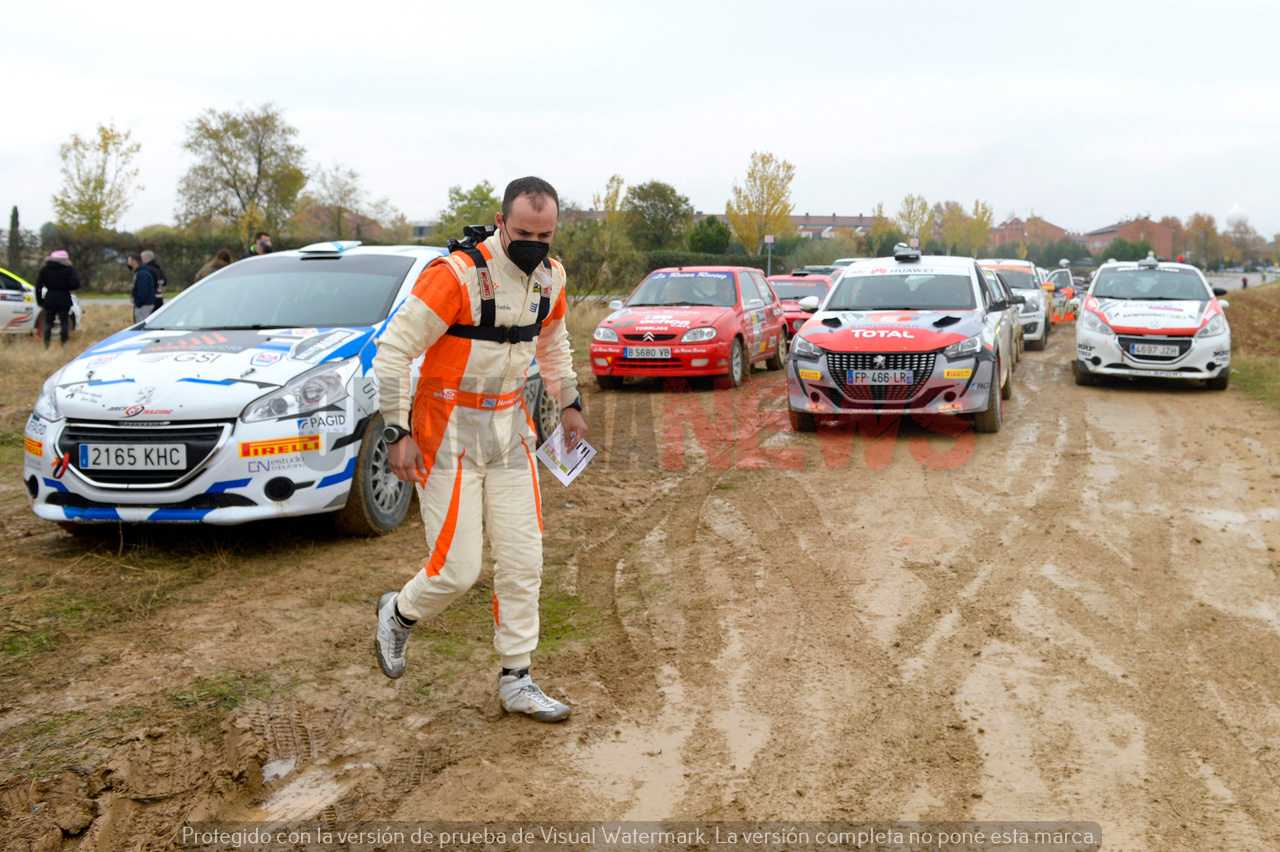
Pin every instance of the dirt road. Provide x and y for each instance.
(1077, 618)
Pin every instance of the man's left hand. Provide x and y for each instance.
(575, 428)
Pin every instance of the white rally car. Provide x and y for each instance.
(1154, 319)
(1024, 278)
(249, 395)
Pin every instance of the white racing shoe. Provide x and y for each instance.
(519, 694)
(391, 639)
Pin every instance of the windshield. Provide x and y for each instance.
(1133, 282)
(1019, 278)
(798, 288)
(914, 291)
(291, 292)
(686, 288)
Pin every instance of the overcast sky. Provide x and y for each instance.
(1085, 112)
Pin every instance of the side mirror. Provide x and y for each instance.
(1019, 300)
(1219, 291)
(615, 305)
(1048, 285)
(753, 305)
(998, 306)
(1223, 303)
(809, 304)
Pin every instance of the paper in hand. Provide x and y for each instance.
(565, 464)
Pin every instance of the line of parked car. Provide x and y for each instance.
(911, 334)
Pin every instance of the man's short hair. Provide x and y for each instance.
(260, 235)
(148, 256)
(136, 257)
(536, 188)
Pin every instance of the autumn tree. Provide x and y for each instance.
(1038, 230)
(657, 216)
(1174, 224)
(762, 205)
(953, 228)
(98, 179)
(476, 206)
(1202, 240)
(915, 218)
(980, 221)
(882, 235)
(249, 170)
(597, 254)
(710, 236)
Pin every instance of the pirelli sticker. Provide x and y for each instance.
(279, 447)
(811, 375)
(957, 374)
(36, 448)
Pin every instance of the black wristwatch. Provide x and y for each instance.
(391, 434)
(577, 403)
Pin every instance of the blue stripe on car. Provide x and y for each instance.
(220, 487)
(206, 381)
(74, 513)
(56, 485)
(334, 479)
(178, 514)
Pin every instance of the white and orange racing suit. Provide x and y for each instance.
(469, 418)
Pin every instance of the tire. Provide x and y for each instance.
(1006, 389)
(547, 416)
(378, 501)
(1084, 378)
(738, 366)
(778, 360)
(992, 419)
(609, 382)
(1038, 345)
(803, 421)
(1220, 381)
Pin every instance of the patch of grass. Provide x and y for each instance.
(565, 618)
(581, 320)
(1258, 376)
(207, 701)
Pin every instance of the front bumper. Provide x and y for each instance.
(693, 359)
(1109, 355)
(944, 386)
(1034, 326)
(229, 485)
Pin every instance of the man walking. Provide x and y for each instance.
(149, 258)
(466, 438)
(144, 289)
(54, 284)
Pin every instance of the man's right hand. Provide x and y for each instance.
(407, 462)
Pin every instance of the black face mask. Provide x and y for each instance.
(527, 254)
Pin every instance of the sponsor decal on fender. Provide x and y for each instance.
(36, 448)
(950, 406)
(313, 347)
(957, 374)
(279, 446)
(265, 359)
(811, 375)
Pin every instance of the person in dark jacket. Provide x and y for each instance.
(149, 258)
(53, 293)
(144, 289)
(261, 245)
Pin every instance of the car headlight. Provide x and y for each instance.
(804, 349)
(968, 346)
(1216, 326)
(1093, 322)
(698, 335)
(605, 335)
(311, 391)
(1029, 307)
(47, 405)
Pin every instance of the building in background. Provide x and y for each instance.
(1133, 231)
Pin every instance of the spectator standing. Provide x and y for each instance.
(144, 289)
(149, 258)
(221, 259)
(261, 245)
(53, 294)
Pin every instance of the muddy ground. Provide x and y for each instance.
(1077, 618)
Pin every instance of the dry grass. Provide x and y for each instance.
(1255, 341)
(581, 320)
(25, 363)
